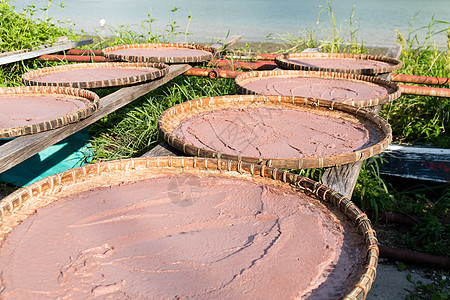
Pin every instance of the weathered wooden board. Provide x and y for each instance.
(6, 59)
(432, 164)
(21, 148)
(226, 43)
(164, 149)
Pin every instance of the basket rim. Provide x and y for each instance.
(155, 70)
(231, 101)
(282, 61)
(242, 79)
(51, 185)
(91, 98)
(168, 60)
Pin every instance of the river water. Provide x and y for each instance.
(376, 22)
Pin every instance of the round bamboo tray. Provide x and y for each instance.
(176, 115)
(168, 53)
(26, 202)
(343, 62)
(95, 75)
(293, 79)
(85, 103)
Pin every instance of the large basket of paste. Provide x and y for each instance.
(364, 64)
(183, 227)
(352, 89)
(32, 109)
(169, 53)
(279, 131)
(95, 75)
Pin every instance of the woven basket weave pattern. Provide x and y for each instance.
(178, 113)
(245, 78)
(162, 69)
(88, 96)
(282, 61)
(22, 203)
(107, 52)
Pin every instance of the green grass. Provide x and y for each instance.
(19, 31)
(131, 131)
(419, 119)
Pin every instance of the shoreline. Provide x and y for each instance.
(242, 46)
(272, 47)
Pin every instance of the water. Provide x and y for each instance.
(254, 20)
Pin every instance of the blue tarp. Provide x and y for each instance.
(74, 151)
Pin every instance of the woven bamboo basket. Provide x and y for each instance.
(392, 90)
(303, 61)
(21, 204)
(177, 114)
(199, 53)
(77, 75)
(91, 99)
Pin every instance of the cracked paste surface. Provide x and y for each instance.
(180, 237)
(17, 111)
(274, 133)
(319, 88)
(339, 63)
(83, 75)
(160, 52)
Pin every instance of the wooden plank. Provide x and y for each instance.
(21, 148)
(36, 53)
(164, 149)
(13, 52)
(228, 42)
(61, 39)
(431, 164)
(343, 178)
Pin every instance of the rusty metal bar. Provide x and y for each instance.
(84, 52)
(236, 64)
(73, 58)
(197, 72)
(420, 79)
(212, 73)
(414, 257)
(266, 56)
(252, 57)
(227, 73)
(424, 91)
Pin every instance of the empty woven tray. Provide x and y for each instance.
(169, 227)
(284, 132)
(352, 89)
(95, 75)
(338, 62)
(160, 52)
(26, 109)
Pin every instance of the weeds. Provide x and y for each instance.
(432, 207)
(124, 34)
(132, 130)
(18, 31)
(419, 119)
(340, 40)
(371, 191)
(436, 290)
